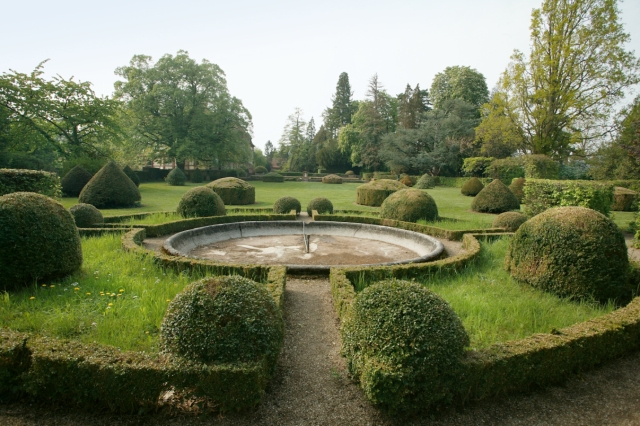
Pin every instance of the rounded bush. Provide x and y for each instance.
(510, 221)
(349, 173)
(39, 240)
(222, 320)
(273, 177)
(321, 205)
(405, 345)
(472, 187)
(517, 187)
(331, 179)
(242, 173)
(409, 205)
(495, 198)
(572, 252)
(406, 180)
(234, 191)
(284, 205)
(201, 202)
(260, 170)
(86, 215)
(176, 177)
(426, 181)
(73, 182)
(623, 199)
(375, 192)
(110, 188)
(196, 176)
(131, 175)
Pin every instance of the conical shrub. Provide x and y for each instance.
(425, 182)
(495, 198)
(176, 177)
(472, 187)
(132, 175)
(75, 179)
(110, 188)
(517, 187)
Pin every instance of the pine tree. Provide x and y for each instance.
(342, 106)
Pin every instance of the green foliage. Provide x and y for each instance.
(19, 180)
(495, 198)
(331, 179)
(472, 187)
(475, 166)
(110, 188)
(574, 170)
(426, 181)
(242, 173)
(540, 167)
(405, 345)
(624, 200)
(409, 205)
(176, 177)
(273, 177)
(234, 191)
(406, 180)
(321, 205)
(505, 169)
(349, 173)
(86, 215)
(260, 170)
(540, 195)
(517, 187)
(201, 201)
(284, 205)
(196, 176)
(510, 221)
(131, 175)
(73, 182)
(375, 192)
(459, 82)
(39, 239)
(571, 252)
(498, 134)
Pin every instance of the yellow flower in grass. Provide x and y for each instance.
(76, 288)
(32, 297)
(121, 290)
(168, 300)
(88, 294)
(110, 304)
(52, 286)
(44, 285)
(118, 295)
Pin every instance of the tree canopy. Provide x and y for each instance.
(459, 82)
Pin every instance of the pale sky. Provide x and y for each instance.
(277, 55)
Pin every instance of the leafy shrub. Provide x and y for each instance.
(321, 205)
(472, 187)
(375, 192)
(571, 252)
(495, 198)
(331, 179)
(537, 166)
(234, 191)
(505, 169)
(409, 205)
(39, 239)
(349, 173)
(221, 320)
(517, 187)
(131, 175)
(201, 202)
(284, 205)
(196, 176)
(242, 173)
(21, 180)
(176, 177)
(260, 170)
(86, 215)
(542, 194)
(404, 344)
(273, 177)
(623, 199)
(73, 182)
(110, 188)
(476, 166)
(574, 170)
(510, 221)
(407, 181)
(426, 181)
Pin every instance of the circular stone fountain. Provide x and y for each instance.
(304, 247)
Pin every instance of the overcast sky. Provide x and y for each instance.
(277, 55)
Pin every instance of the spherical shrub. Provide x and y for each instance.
(259, 170)
(75, 179)
(284, 205)
(196, 176)
(223, 319)
(321, 205)
(426, 181)
(86, 215)
(409, 205)
(234, 191)
(495, 198)
(131, 175)
(404, 344)
(201, 202)
(517, 187)
(242, 173)
(39, 240)
(572, 252)
(176, 177)
(623, 199)
(406, 180)
(331, 179)
(509, 221)
(472, 187)
(349, 173)
(273, 177)
(110, 188)
(375, 192)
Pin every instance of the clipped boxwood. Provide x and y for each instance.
(426, 181)
(39, 240)
(572, 252)
(375, 192)
(517, 187)
(259, 170)
(495, 198)
(409, 205)
(284, 205)
(623, 199)
(234, 191)
(509, 221)
(543, 194)
(73, 182)
(131, 175)
(273, 177)
(406, 180)
(349, 173)
(404, 344)
(86, 215)
(321, 205)
(331, 179)
(110, 188)
(472, 187)
(201, 202)
(176, 177)
(19, 180)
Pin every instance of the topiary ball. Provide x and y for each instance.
(426, 181)
(572, 252)
(409, 205)
(321, 205)
(39, 240)
(349, 173)
(225, 319)
(131, 175)
(196, 176)
(509, 221)
(73, 182)
(495, 198)
(234, 191)
(517, 187)
(273, 177)
(259, 170)
(375, 192)
(404, 344)
(176, 177)
(331, 179)
(86, 215)
(284, 205)
(201, 202)
(472, 187)
(110, 188)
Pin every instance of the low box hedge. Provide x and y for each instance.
(458, 182)
(542, 194)
(20, 180)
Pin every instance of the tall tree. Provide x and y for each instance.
(293, 142)
(342, 106)
(498, 135)
(412, 104)
(459, 82)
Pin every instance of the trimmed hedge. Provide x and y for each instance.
(110, 188)
(73, 182)
(332, 179)
(624, 200)
(176, 177)
(131, 175)
(284, 205)
(495, 198)
(409, 205)
(458, 182)
(375, 192)
(200, 202)
(538, 166)
(509, 221)
(86, 215)
(196, 176)
(19, 180)
(472, 187)
(426, 181)
(505, 169)
(542, 194)
(234, 191)
(272, 177)
(321, 205)
(517, 187)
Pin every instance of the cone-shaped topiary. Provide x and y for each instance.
(196, 176)
(426, 181)
(517, 187)
(472, 187)
(225, 319)
(375, 192)
(259, 170)
(201, 202)
(321, 205)
(131, 175)
(572, 252)
(75, 179)
(39, 240)
(404, 344)
(234, 191)
(509, 221)
(110, 188)
(409, 205)
(495, 198)
(86, 215)
(284, 205)
(623, 199)
(273, 177)
(176, 177)
(331, 179)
